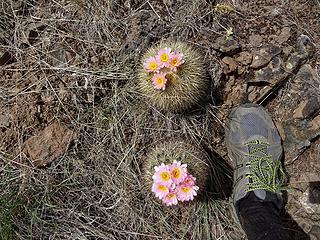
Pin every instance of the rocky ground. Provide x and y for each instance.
(73, 127)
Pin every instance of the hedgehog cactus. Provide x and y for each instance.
(177, 153)
(172, 76)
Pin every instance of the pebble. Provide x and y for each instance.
(229, 46)
(245, 58)
(255, 40)
(284, 35)
(231, 64)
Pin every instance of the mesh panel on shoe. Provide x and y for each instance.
(236, 136)
(252, 124)
(275, 135)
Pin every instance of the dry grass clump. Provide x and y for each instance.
(167, 151)
(6, 22)
(96, 190)
(7, 210)
(185, 88)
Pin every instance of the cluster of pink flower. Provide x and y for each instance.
(165, 61)
(172, 183)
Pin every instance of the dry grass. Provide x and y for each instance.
(96, 189)
(75, 61)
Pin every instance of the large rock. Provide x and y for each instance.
(298, 112)
(272, 73)
(304, 49)
(264, 55)
(49, 144)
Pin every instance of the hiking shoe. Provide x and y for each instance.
(254, 146)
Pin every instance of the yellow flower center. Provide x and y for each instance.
(174, 61)
(164, 57)
(160, 81)
(176, 173)
(187, 181)
(162, 188)
(185, 189)
(165, 176)
(170, 195)
(153, 65)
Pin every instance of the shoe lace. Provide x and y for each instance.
(265, 174)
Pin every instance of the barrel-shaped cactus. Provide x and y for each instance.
(185, 161)
(172, 76)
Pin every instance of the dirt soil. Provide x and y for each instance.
(74, 128)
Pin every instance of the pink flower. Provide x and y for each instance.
(178, 172)
(163, 57)
(162, 175)
(170, 199)
(159, 81)
(151, 65)
(175, 60)
(186, 193)
(189, 181)
(160, 190)
(172, 183)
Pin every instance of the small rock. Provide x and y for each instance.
(264, 55)
(298, 112)
(314, 124)
(284, 35)
(229, 46)
(50, 143)
(231, 64)
(255, 40)
(4, 121)
(245, 58)
(272, 74)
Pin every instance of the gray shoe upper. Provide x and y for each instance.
(253, 144)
